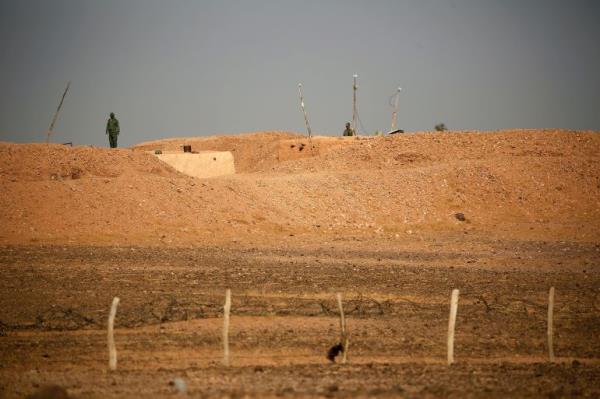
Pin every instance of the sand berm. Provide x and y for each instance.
(517, 184)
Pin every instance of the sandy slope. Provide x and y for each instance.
(521, 184)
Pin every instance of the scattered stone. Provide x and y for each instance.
(460, 216)
(76, 173)
(179, 384)
(333, 388)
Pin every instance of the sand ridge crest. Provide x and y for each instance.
(521, 184)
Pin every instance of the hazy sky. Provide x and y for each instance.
(179, 68)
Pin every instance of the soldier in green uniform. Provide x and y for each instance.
(349, 131)
(112, 129)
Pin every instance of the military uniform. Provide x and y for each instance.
(349, 131)
(112, 129)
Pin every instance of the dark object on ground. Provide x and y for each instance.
(396, 131)
(179, 385)
(334, 351)
(440, 127)
(460, 216)
(333, 388)
(69, 143)
(157, 152)
(76, 173)
(187, 148)
(50, 392)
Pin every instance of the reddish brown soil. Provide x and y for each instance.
(371, 218)
(524, 184)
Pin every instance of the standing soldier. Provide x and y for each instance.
(349, 131)
(112, 129)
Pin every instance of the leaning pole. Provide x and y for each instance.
(305, 118)
(56, 113)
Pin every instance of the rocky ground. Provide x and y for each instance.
(376, 219)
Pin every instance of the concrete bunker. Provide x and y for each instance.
(200, 164)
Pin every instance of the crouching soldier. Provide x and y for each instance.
(349, 131)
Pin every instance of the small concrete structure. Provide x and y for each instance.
(201, 164)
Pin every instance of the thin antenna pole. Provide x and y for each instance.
(56, 113)
(305, 118)
(395, 111)
(354, 88)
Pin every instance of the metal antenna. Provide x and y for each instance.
(354, 88)
(56, 113)
(305, 118)
(396, 98)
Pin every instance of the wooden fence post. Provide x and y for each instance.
(343, 331)
(112, 350)
(226, 310)
(550, 324)
(452, 325)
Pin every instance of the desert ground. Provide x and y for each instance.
(393, 223)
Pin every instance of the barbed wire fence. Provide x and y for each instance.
(480, 307)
